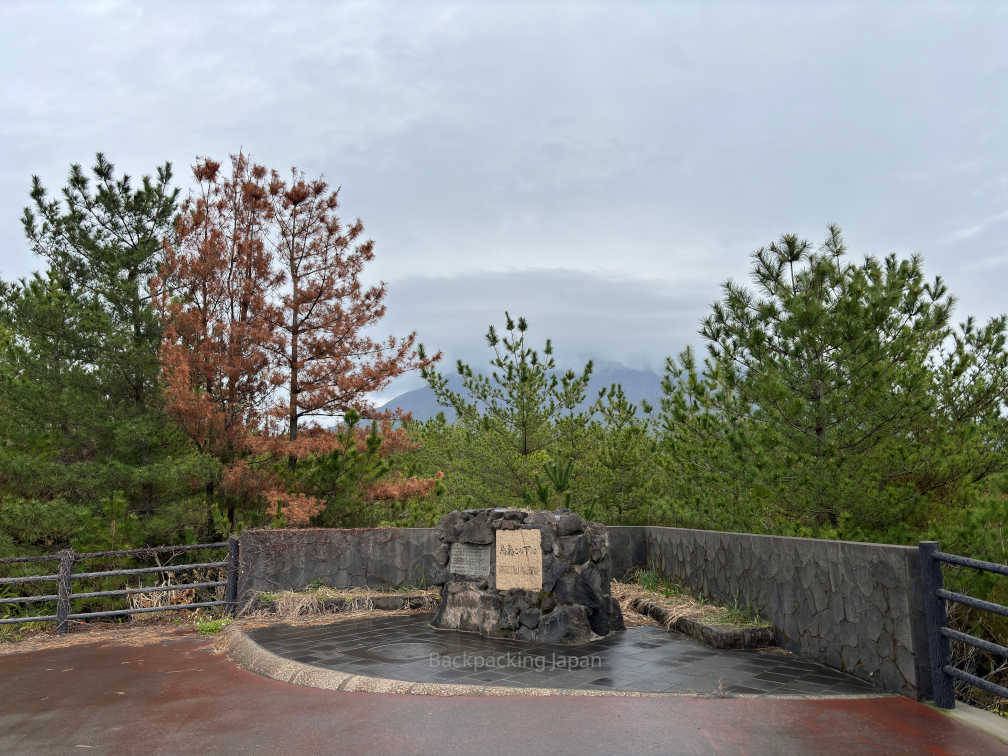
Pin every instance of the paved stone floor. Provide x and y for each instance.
(644, 659)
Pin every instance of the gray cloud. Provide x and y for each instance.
(587, 316)
(480, 141)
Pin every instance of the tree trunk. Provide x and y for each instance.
(209, 492)
(293, 416)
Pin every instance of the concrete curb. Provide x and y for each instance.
(715, 636)
(248, 654)
(979, 719)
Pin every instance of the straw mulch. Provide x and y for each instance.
(292, 605)
(676, 606)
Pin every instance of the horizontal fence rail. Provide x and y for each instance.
(935, 596)
(143, 551)
(28, 579)
(66, 576)
(151, 589)
(149, 570)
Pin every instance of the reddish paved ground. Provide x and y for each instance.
(178, 696)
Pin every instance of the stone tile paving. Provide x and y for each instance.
(643, 659)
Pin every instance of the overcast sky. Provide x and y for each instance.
(600, 168)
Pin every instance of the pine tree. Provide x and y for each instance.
(325, 363)
(102, 249)
(520, 417)
(835, 394)
(264, 315)
(214, 294)
(84, 423)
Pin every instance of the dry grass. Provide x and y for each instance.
(167, 599)
(359, 599)
(294, 605)
(310, 620)
(677, 605)
(290, 605)
(624, 593)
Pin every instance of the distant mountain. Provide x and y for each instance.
(637, 385)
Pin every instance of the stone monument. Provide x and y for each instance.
(527, 575)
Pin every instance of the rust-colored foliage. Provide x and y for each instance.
(263, 313)
(245, 483)
(247, 486)
(297, 509)
(214, 292)
(314, 439)
(324, 362)
(400, 488)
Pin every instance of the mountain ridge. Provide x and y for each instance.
(638, 384)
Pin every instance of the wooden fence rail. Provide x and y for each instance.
(65, 577)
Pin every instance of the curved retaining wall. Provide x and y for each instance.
(854, 606)
(276, 560)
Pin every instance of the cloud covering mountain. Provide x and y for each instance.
(637, 385)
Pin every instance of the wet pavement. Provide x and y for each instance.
(642, 659)
(180, 697)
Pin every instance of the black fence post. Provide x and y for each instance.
(934, 611)
(231, 593)
(63, 590)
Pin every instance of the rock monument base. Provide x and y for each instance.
(527, 575)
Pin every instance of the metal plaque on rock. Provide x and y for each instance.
(469, 560)
(519, 560)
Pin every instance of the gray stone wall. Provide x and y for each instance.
(563, 595)
(627, 549)
(275, 560)
(853, 606)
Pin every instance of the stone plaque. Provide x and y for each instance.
(519, 560)
(469, 561)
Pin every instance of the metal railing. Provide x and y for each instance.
(935, 595)
(65, 576)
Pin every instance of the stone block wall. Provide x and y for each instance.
(276, 560)
(853, 606)
(627, 549)
(562, 594)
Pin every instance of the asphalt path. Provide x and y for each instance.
(179, 696)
